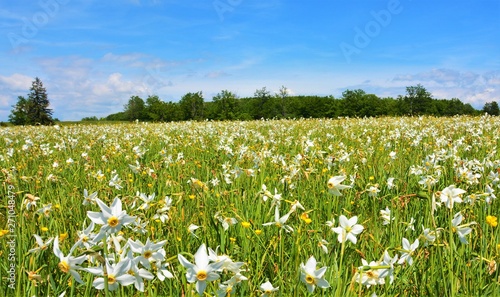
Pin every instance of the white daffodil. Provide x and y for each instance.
(389, 262)
(348, 229)
(280, 221)
(385, 215)
(115, 181)
(147, 252)
(429, 235)
(407, 251)
(117, 275)
(451, 195)
(228, 263)
(86, 236)
(89, 199)
(192, 228)
(368, 274)
(311, 276)
(160, 267)
(334, 185)
(139, 274)
(30, 201)
(267, 289)
(112, 218)
(162, 213)
(461, 230)
(41, 244)
(201, 271)
(373, 191)
(69, 263)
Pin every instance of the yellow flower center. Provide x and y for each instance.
(113, 221)
(310, 279)
(148, 254)
(63, 266)
(201, 275)
(111, 279)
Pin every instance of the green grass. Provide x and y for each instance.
(192, 163)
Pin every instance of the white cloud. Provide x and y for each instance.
(15, 82)
(468, 86)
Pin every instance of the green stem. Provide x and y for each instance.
(104, 267)
(339, 274)
(450, 262)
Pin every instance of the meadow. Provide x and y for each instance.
(326, 207)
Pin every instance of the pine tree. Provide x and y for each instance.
(35, 109)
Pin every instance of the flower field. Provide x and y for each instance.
(340, 207)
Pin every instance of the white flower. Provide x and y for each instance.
(490, 194)
(388, 261)
(429, 236)
(69, 263)
(369, 276)
(115, 182)
(390, 183)
(461, 230)
(89, 199)
(385, 215)
(112, 218)
(148, 252)
(201, 271)
(451, 195)
(407, 251)
(392, 155)
(192, 228)
(410, 225)
(41, 245)
(311, 276)
(267, 289)
(373, 190)
(348, 229)
(117, 275)
(334, 185)
(323, 245)
(280, 221)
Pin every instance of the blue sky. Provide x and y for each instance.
(93, 55)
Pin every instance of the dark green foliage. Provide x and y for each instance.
(353, 103)
(90, 119)
(135, 109)
(491, 108)
(33, 110)
(191, 106)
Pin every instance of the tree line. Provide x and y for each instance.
(34, 109)
(265, 105)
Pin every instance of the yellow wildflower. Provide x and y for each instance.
(492, 221)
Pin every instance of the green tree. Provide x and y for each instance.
(19, 113)
(35, 109)
(418, 100)
(155, 108)
(283, 96)
(491, 108)
(262, 98)
(191, 106)
(225, 105)
(135, 109)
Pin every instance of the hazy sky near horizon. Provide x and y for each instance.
(93, 55)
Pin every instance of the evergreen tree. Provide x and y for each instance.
(35, 109)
